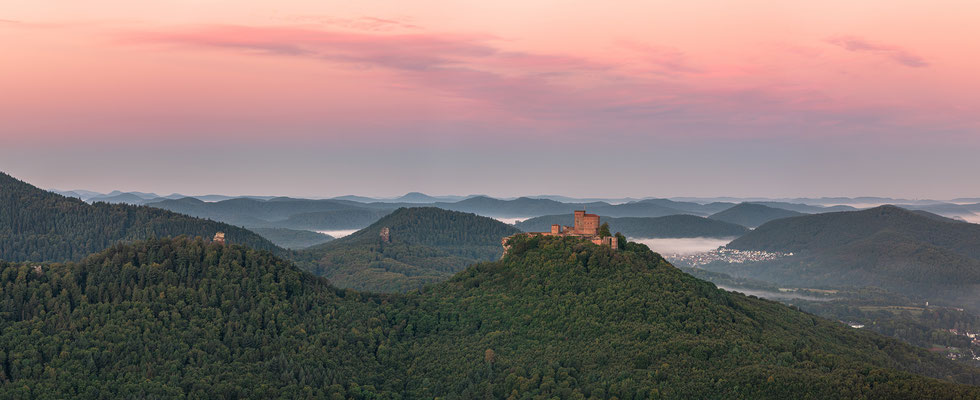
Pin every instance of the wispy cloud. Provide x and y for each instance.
(895, 53)
(371, 24)
(397, 51)
(563, 90)
(667, 60)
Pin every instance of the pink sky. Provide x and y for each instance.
(451, 74)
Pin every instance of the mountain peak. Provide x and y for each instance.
(416, 197)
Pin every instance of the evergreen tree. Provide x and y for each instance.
(604, 230)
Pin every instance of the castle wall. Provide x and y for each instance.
(586, 226)
(590, 225)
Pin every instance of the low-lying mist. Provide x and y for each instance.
(973, 218)
(510, 220)
(339, 233)
(683, 245)
(765, 294)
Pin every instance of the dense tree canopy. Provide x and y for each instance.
(554, 318)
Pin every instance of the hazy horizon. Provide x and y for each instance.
(515, 196)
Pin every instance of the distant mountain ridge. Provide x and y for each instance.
(521, 207)
(752, 214)
(279, 212)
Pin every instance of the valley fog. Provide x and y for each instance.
(683, 245)
(510, 220)
(765, 294)
(339, 233)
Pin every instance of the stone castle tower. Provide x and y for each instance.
(585, 226)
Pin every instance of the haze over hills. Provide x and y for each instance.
(533, 206)
(690, 207)
(520, 207)
(672, 226)
(139, 198)
(280, 212)
(410, 197)
(37, 225)
(700, 204)
(423, 245)
(555, 318)
(886, 246)
(752, 215)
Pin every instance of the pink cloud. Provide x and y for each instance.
(475, 68)
(663, 59)
(398, 51)
(371, 24)
(450, 84)
(895, 53)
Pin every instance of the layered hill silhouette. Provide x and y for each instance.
(555, 318)
(534, 207)
(354, 212)
(886, 246)
(279, 212)
(424, 245)
(752, 215)
(671, 226)
(38, 225)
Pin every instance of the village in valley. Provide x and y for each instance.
(725, 255)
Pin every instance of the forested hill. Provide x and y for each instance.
(565, 317)
(812, 233)
(556, 318)
(752, 215)
(38, 225)
(671, 226)
(426, 244)
(435, 227)
(926, 256)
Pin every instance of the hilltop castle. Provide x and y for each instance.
(586, 226)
